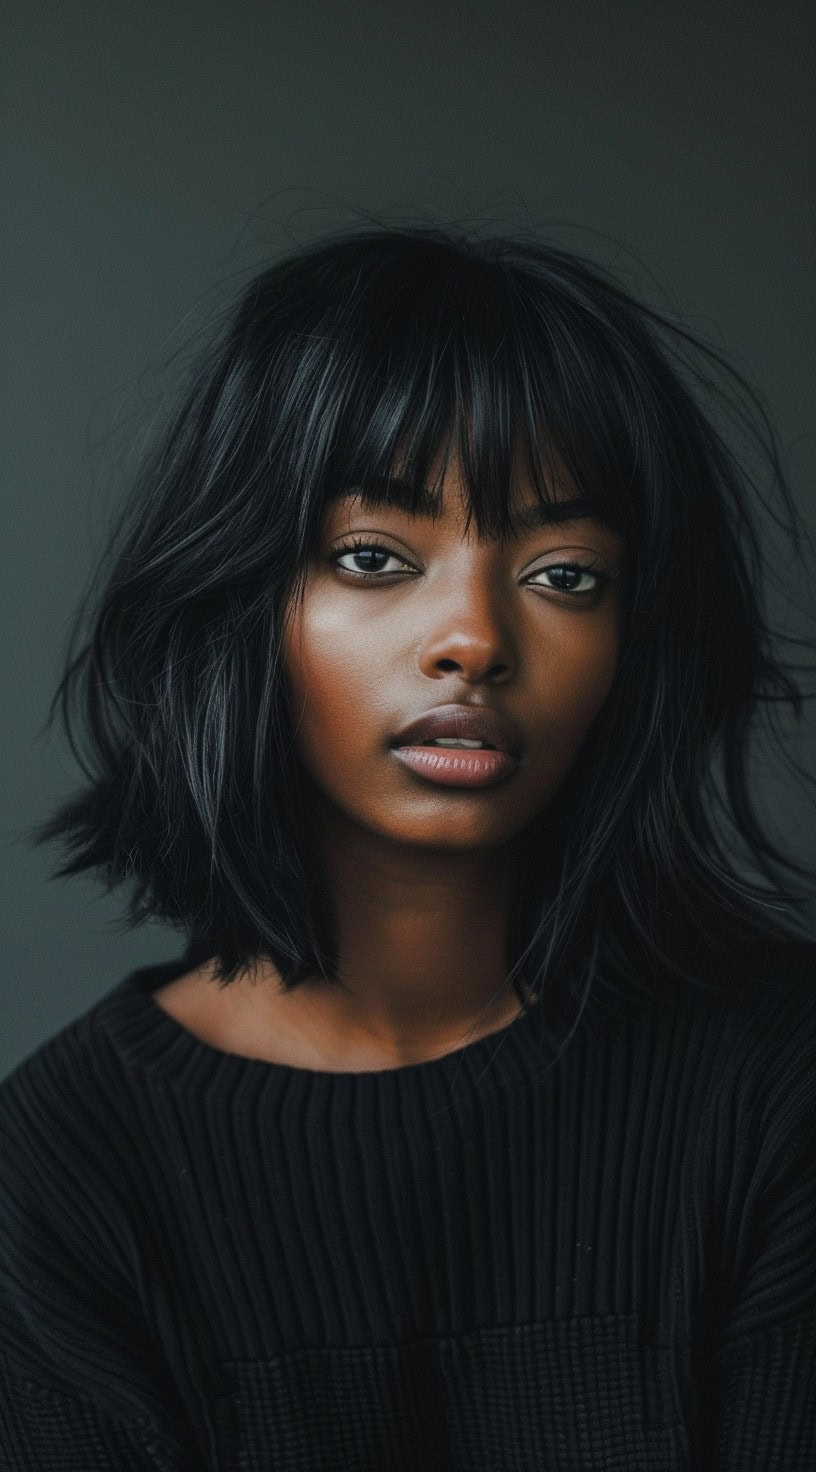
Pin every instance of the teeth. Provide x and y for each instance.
(454, 741)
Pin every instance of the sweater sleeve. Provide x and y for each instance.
(765, 1369)
(82, 1387)
(42, 1430)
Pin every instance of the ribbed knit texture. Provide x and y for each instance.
(479, 1262)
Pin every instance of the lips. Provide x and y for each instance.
(471, 722)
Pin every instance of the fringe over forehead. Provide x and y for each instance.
(411, 348)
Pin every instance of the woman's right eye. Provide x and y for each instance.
(365, 552)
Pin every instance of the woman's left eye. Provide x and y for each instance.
(368, 551)
(573, 570)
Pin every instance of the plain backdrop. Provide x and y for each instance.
(156, 153)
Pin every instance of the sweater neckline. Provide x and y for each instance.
(148, 1037)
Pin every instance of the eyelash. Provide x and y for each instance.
(360, 545)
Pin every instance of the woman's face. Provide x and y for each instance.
(436, 618)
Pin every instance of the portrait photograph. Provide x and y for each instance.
(408, 1048)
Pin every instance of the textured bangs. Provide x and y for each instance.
(449, 355)
(365, 362)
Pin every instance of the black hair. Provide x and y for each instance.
(398, 343)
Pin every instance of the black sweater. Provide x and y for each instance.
(479, 1262)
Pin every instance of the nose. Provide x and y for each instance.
(468, 633)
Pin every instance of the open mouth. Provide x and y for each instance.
(455, 744)
(462, 728)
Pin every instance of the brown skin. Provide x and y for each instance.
(420, 875)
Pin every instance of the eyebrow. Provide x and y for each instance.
(392, 491)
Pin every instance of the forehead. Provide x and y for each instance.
(565, 508)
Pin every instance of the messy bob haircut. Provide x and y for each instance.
(401, 345)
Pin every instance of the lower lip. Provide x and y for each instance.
(457, 768)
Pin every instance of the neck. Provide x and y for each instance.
(421, 938)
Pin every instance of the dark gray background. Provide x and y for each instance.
(154, 152)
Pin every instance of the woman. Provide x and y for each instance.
(476, 1125)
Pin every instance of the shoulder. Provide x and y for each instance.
(76, 1165)
(773, 1006)
(760, 1046)
(67, 1116)
(779, 1007)
(739, 1038)
(60, 1070)
(77, 1155)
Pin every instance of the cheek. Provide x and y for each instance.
(570, 689)
(574, 680)
(598, 666)
(334, 678)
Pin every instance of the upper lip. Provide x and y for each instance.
(475, 723)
